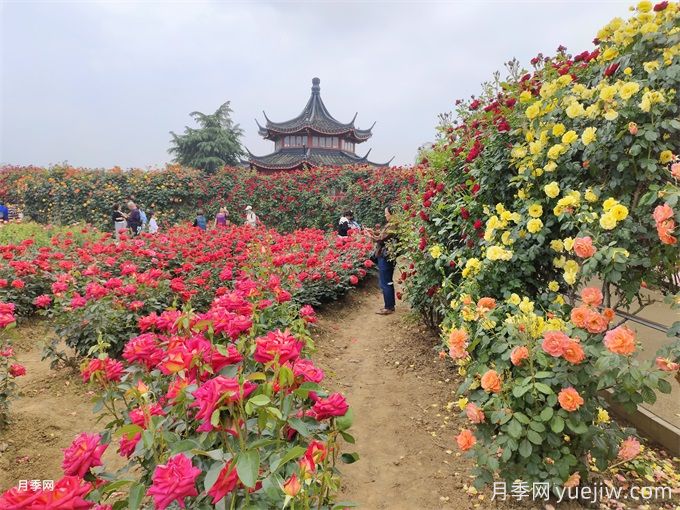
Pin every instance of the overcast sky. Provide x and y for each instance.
(100, 84)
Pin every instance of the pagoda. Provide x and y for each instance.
(313, 138)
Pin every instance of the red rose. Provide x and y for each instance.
(334, 405)
(84, 453)
(17, 370)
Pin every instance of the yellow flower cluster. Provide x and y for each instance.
(496, 252)
(472, 267)
(436, 251)
(614, 212)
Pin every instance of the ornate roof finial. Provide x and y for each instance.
(315, 85)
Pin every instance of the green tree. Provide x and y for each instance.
(211, 146)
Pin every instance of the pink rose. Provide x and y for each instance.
(84, 453)
(174, 481)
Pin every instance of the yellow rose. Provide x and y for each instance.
(611, 115)
(609, 203)
(666, 157)
(535, 210)
(602, 416)
(533, 111)
(526, 305)
(569, 137)
(556, 151)
(569, 277)
(575, 109)
(525, 97)
(568, 243)
(550, 166)
(534, 225)
(514, 299)
(552, 189)
(609, 54)
(553, 286)
(628, 90)
(607, 221)
(627, 71)
(559, 300)
(644, 6)
(619, 212)
(557, 245)
(436, 251)
(590, 196)
(559, 262)
(571, 266)
(518, 152)
(651, 66)
(558, 129)
(588, 135)
(608, 92)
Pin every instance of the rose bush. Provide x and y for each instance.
(9, 370)
(199, 345)
(287, 201)
(548, 184)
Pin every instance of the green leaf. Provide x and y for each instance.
(347, 437)
(349, 458)
(543, 388)
(515, 429)
(129, 430)
(345, 422)
(664, 386)
(293, 453)
(248, 466)
(557, 424)
(534, 437)
(578, 427)
(522, 418)
(525, 448)
(300, 426)
(547, 413)
(114, 486)
(259, 400)
(136, 495)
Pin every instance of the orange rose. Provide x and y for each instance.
(485, 304)
(573, 481)
(629, 449)
(569, 399)
(554, 343)
(579, 316)
(596, 323)
(620, 340)
(573, 352)
(518, 354)
(466, 439)
(458, 343)
(474, 413)
(583, 247)
(491, 382)
(608, 314)
(592, 296)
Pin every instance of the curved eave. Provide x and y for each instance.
(356, 135)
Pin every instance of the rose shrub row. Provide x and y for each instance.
(199, 344)
(548, 203)
(312, 198)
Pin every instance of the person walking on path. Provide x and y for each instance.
(251, 218)
(134, 220)
(200, 220)
(119, 221)
(385, 262)
(221, 218)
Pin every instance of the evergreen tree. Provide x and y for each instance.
(211, 146)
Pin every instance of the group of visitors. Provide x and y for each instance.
(134, 222)
(382, 255)
(222, 218)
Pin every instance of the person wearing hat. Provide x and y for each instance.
(251, 218)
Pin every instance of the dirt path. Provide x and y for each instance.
(399, 390)
(52, 408)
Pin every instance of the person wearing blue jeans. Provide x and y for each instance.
(385, 263)
(385, 273)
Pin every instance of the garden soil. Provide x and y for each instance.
(53, 407)
(399, 390)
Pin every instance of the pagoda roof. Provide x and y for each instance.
(314, 117)
(296, 157)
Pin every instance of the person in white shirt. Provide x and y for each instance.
(251, 218)
(153, 224)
